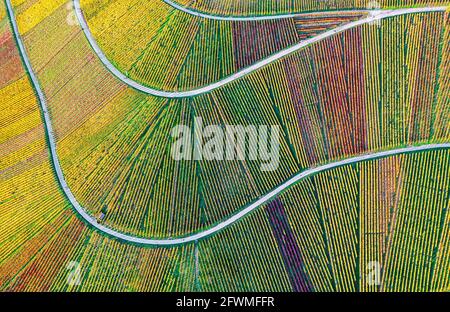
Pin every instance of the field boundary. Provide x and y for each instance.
(372, 18)
(91, 221)
(255, 18)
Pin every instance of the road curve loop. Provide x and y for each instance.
(374, 16)
(205, 233)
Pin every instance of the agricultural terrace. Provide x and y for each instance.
(203, 50)
(29, 194)
(114, 143)
(40, 236)
(351, 94)
(330, 229)
(274, 7)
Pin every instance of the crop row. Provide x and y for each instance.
(358, 91)
(10, 64)
(388, 215)
(319, 235)
(40, 236)
(311, 25)
(31, 205)
(391, 212)
(140, 38)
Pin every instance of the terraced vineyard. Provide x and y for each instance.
(255, 7)
(116, 152)
(201, 51)
(365, 90)
(328, 236)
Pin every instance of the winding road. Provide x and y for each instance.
(373, 17)
(190, 11)
(219, 226)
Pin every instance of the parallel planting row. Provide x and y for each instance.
(44, 246)
(338, 98)
(31, 205)
(309, 26)
(139, 38)
(272, 7)
(376, 226)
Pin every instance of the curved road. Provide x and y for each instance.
(210, 231)
(374, 16)
(253, 18)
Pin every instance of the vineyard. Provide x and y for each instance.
(116, 152)
(271, 7)
(392, 212)
(201, 50)
(368, 89)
